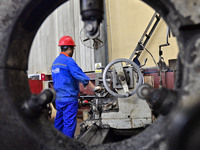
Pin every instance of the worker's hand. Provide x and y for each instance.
(98, 89)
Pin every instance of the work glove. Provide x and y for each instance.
(98, 89)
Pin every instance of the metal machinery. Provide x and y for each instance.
(176, 128)
(117, 107)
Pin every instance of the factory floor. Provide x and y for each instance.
(77, 132)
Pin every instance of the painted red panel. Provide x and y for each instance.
(168, 78)
(36, 86)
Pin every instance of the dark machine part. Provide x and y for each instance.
(162, 65)
(98, 105)
(94, 135)
(185, 129)
(161, 100)
(128, 72)
(162, 69)
(19, 22)
(96, 109)
(91, 133)
(34, 106)
(92, 12)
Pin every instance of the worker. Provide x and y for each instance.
(66, 76)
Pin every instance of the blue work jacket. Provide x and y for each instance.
(66, 76)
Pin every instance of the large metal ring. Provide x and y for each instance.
(19, 22)
(135, 67)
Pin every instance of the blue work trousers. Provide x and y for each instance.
(65, 120)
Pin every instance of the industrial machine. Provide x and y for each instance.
(28, 128)
(117, 107)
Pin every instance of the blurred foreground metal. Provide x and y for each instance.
(19, 22)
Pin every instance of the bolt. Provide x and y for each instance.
(121, 78)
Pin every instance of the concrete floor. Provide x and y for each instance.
(77, 132)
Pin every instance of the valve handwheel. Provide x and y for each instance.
(118, 66)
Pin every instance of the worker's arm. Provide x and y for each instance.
(78, 74)
(91, 85)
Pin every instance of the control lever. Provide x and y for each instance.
(145, 61)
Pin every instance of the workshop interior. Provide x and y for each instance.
(145, 54)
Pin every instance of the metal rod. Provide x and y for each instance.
(148, 26)
(152, 30)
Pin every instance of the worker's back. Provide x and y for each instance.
(65, 85)
(66, 76)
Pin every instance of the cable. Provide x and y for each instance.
(151, 56)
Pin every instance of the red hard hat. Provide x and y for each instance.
(66, 40)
